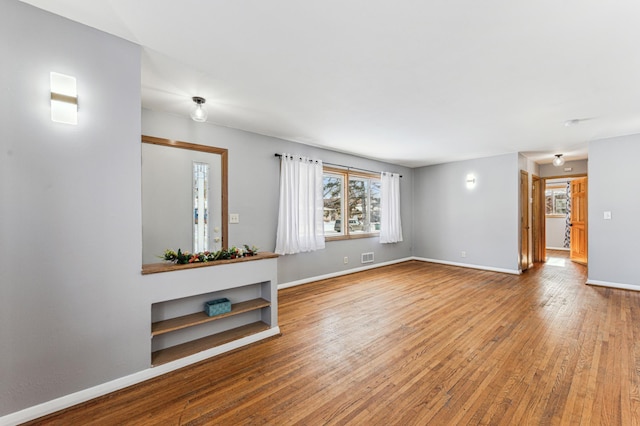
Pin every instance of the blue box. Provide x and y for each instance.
(217, 307)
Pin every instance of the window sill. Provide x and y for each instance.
(351, 237)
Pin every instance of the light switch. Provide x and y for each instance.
(607, 215)
(234, 218)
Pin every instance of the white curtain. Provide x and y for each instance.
(390, 226)
(300, 220)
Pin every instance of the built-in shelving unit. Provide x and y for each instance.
(189, 348)
(180, 327)
(185, 321)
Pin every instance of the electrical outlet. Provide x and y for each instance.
(346, 260)
(463, 254)
(234, 218)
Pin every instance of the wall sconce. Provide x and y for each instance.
(471, 181)
(198, 113)
(64, 99)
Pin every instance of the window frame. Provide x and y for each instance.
(553, 189)
(346, 175)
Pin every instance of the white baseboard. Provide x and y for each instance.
(614, 285)
(378, 265)
(337, 274)
(468, 265)
(70, 400)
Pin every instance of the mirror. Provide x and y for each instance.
(184, 197)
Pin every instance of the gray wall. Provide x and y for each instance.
(70, 243)
(75, 311)
(612, 187)
(554, 230)
(450, 218)
(254, 191)
(167, 199)
(578, 167)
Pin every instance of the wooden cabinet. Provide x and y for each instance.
(180, 327)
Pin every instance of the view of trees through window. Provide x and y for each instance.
(351, 198)
(556, 201)
(333, 188)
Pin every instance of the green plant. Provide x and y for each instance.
(184, 257)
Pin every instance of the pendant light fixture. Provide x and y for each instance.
(198, 112)
(558, 161)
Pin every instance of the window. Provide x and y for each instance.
(556, 201)
(200, 207)
(332, 191)
(351, 204)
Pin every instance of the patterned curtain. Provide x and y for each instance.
(567, 226)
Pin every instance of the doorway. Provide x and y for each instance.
(564, 208)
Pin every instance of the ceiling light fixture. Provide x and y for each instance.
(198, 112)
(558, 161)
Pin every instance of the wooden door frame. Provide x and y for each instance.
(577, 175)
(571, 176)
(538, 219)
(524, 221)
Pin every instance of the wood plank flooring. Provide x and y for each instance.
(414, 344)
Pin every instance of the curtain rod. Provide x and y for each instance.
(344, 167)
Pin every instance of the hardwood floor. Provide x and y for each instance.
(414, 344)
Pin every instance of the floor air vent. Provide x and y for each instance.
(367, 257)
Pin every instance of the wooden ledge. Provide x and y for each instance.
(155, 268)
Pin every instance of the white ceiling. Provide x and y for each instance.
(409, 82)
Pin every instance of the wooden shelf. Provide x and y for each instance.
(185, 321)
(189, 348)
(154, 268)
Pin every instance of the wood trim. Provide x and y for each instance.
(347, 171)
(353, 236)
(566, 176)
(524, 220)
(224, 166)
(538, 221)
(224, 159)
(155, 268)
(183, 145)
